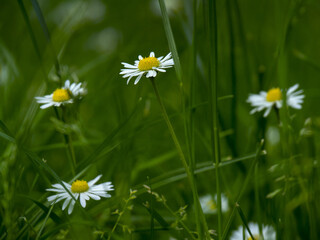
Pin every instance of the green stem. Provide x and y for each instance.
(257, 199)
(201, 227)
(243, 188)
(213, 75)
(68, 141)
(44, 222)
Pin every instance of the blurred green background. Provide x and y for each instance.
(118, 130)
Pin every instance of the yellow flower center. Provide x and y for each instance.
(61, 95)
(273, 95)
(148, 63)
(79, 186)
(212, 205)
(256, 237)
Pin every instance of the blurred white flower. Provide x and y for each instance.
(62, 96)
(265, 100)
(79, 189)
(273, 98)
(267, 231)
(149, 65)
(73, 13)
(105, 41)
(209, 205)
(273, 135)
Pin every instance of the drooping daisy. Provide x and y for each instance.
(267, 231)
(273, 98)
(148, 65)
(62, 96)
(209, 205)
(79, 189)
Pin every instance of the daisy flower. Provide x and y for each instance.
(209, 204)
(79, 189)
(62, 96)
(273, 98)
(149, 66)
(267, 231)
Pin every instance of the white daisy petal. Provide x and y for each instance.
(93, 196)
(148, 66)
(266, 113)
(66, 203)
(92, 182)
(82, 200)
(79, 189)
(46, 105)
(149, 74)
(71, 206)
(295, 98)
(137, 79)
(67, 84)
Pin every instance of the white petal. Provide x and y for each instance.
(71, 206)
(67, 84)
(92, 182)
(266, 113)
(46, 105)
(93, 196)
(138, 79)
(82, 200)
(127, 65)
(66, 203)
(292, 89)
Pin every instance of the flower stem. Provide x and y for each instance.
(201, 223)
(68, 141)
(213, 78)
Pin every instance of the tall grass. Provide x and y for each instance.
(168, 141)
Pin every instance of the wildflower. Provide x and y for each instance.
(209, 204)
(267, 231)
(62, 96)
(149, 66)
(79, 189)
(273, 98)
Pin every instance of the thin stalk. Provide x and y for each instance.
(193, 87)
(244, 219)
(201, 223)
(233, 138)
(152, 212)
(44, 27)
(68, 141)
(213, 76)
(44, 222)
(33, 37)
(200, 218)
(244, 186)
(257, 199)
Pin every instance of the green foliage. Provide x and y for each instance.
(201, 139)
